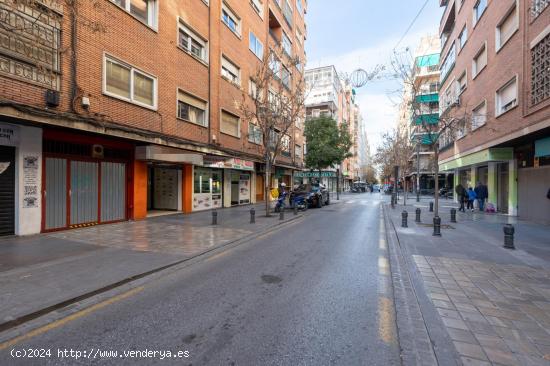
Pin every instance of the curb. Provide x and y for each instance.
(5, 326)
(422, 336)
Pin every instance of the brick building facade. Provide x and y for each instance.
(116, 109)
(495, 77)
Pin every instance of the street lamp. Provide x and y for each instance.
(417, 172)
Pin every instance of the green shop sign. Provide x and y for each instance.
(324, 174)
(494, 154)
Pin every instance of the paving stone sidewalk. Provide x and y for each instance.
(494, 303)
(43, 270)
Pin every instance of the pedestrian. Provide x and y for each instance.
(471, 198)
(482, 194)
(461, 194)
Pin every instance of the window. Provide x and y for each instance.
(298, 151)
(258, 6)
(252, 89)
(479, 115)
(254, 134)
(448, 63)
(479, 9)
(463, 37)
(287, 13)
(540, 83)
(461, 83)
(230, 71)
(192, 43)
(191, 109)
(287, 45)
(300, 6)
(275, 65)
(256, 46)
(506, 97)
(285, 145)
(300, 36)
(537, 7)
(126, 82)
(298, 123)
(479, 61)
(507, 28)
(144, 10)
(230, 124)
(231, 20)
(286, 77)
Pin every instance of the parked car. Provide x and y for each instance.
(444, 192)
(376, 188)
(316, 194)
(388, 188)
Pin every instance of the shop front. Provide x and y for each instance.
(327, 177)
(20, 179)
(233, 178)
(207, 188)
(86, 180)
(494, 167)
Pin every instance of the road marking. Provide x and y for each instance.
(70, 318)
(386, 320)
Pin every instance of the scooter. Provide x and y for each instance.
(299, 201)
(281, 202)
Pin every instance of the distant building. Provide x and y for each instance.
(495, 76)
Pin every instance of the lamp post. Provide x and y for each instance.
(417, 172)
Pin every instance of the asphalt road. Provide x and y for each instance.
(316, 292)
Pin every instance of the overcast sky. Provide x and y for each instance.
(355, 34)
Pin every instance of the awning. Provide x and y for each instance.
(427, 60)
(167, 155)
(488, 155)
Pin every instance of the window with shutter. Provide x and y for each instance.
(479, 62)
(192, 109)
(479, 115)
(506, 29)
(506, 97)
(230, 124)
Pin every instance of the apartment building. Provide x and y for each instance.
(424, 114)
(330, 96)
(495, 78)
(120, 109)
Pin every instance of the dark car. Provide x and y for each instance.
(315, 194)
(444, 192)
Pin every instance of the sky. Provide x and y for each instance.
(352, 34)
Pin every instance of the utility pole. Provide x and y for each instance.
(338, 183)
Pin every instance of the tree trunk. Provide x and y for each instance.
(436, 169)
(267, 185)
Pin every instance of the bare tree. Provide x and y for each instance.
(394, 151)
(454, 120)
(273, 103)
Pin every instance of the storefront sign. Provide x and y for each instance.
(228, 163)
(324, 174)
(492, 154)
(30, 181)
(9, 135)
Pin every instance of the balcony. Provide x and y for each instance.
(275, 29)
(447, 24)
(426, 119)
(427, 97)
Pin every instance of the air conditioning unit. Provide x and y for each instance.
(457, 101)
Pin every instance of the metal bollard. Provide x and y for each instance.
(252, 216)
(431, 207)
(392, 200)
(282, 214)
(214, 217)
(453, 215)
(404, 216)
(437, 226)
(418, 211)
(295, 209)
(509, 236)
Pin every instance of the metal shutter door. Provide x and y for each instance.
(113, 191)
(56, 193)
(7, 190)
(84, 192)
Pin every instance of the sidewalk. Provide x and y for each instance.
(43, 271)
(493, 304)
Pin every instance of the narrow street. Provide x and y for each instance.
(316, 292)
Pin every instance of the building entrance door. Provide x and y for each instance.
(163, 188)
(7, 190)
(502, 188)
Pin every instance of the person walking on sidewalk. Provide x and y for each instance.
(471, 198)
(461, 193)
(482, 194)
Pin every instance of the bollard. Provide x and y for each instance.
(437, 226)
(453, 215)
(431, 207)
(404, 216)
(282, 214)
(295, 209)
(214, 217)
(418, 211)
(252, 216)
(509, 236)
(393, 200)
